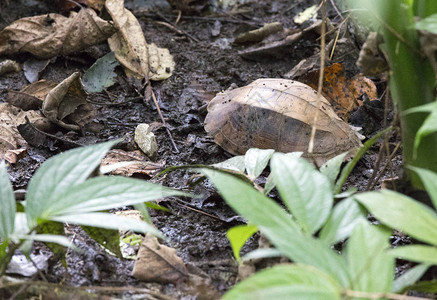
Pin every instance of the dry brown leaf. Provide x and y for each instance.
(341, 91)
(32, 96)
(141, 163)
(64, 100)
(50, 35)
(131, 50)
(66, 5)
(12, 156)
(10, 118)
(158, 263)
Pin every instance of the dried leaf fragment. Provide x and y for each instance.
(47, 36)
(32, 96)
(158, 263)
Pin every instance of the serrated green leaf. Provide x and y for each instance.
(238, 236)
(277, 225)
(305, 191)
(108, 238)
(101, 74)
(7, 204)
(286, 282)
(58, 174)
(429, 24)
(345, 215)
(371, 269)
(403, 213)
(106, 192)
(331, 168)
(256, 161)
(401, 284)
(108, 221)
(429, 180)
(417, 253)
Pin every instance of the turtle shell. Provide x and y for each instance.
(277, 114)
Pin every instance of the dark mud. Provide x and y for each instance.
(203, 68)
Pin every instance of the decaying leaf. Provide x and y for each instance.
(8, 66)
(131, 49)
(34, 67)
(50, 35)
(101, 74)
(341, 91)
(158, 263)
(10, 118)
(32, 96)
(64, 100)
(146, 140)
(65, 5)
(140, 163)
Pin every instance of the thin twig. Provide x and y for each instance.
(175, 27)
(320, 85)
(390, 157)
(164, 123)
(336, 9)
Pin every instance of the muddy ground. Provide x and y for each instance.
(203, 68)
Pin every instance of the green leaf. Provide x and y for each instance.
(7, 204)
(108, 238)
(106, 192)
(401, 284)
(235, 163)
(256, 161)
(429, 180)
(51, 238)
(351, 165)
(403, 213)
(424, 286)
(416, 253)
(101, 74)
(428, 24)
(286, 282)
(277, 225)
(58, 174)
(345, 215)
(331, 168)
(371, 269)
(262, 253)
(305, 191)
(108, 221)
(238, 236)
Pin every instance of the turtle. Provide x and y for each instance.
(273, 113)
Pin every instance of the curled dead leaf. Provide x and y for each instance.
(50, 35)
(68, 99)
(131, 50)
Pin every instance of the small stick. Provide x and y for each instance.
(176, 27)
(164, 123)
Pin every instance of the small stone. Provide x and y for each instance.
(146, 140)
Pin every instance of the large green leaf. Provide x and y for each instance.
(429, 180)
(408, 278)
(58, 174)
(342, 221)
(416, 253)
(371, 269)
(305, 191)
(428, 24)
(286, 282)
(238, 236)
(106, 192)
(403, 213)
(108, 221)
(277, 225)
(256, 161)
(7, 204)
